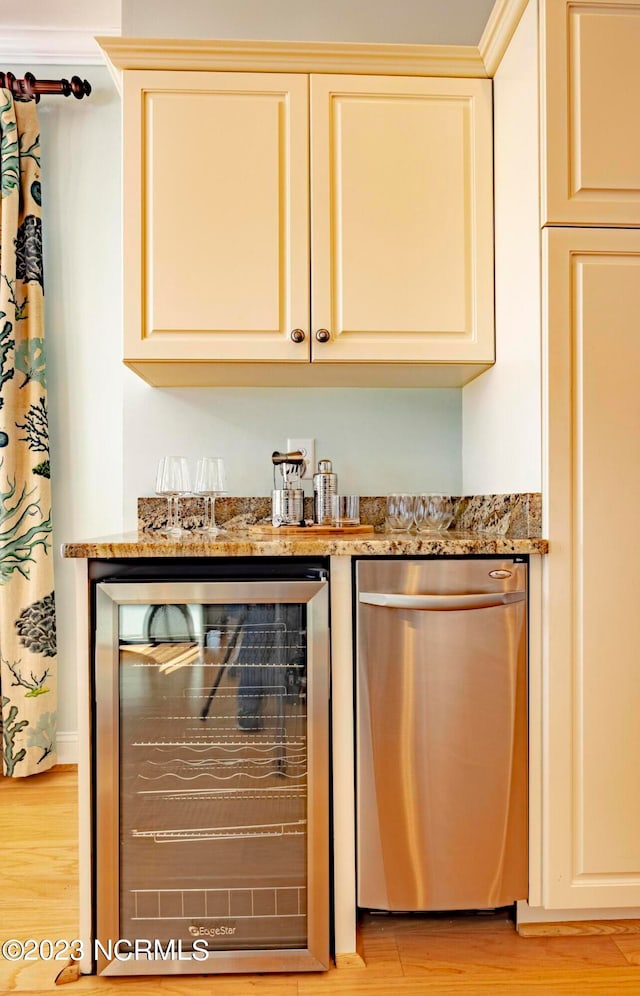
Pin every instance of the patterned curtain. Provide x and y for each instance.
(27, 608)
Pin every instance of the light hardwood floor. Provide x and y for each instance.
(410, 956)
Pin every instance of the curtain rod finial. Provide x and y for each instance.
(79, 88)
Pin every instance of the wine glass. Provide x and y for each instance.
(173, 480)
(210, 483)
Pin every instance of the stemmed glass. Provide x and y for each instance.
(173, 480)
(210, 483)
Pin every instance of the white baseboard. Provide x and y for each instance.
(67, 747)
(538, 914)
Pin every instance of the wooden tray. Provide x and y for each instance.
(313, 530)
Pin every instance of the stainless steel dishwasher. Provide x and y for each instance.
(441, 733)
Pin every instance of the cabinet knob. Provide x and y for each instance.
(297, 335)
(323, 335)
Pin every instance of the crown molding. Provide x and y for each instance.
(500, 28)
(302, 57)
(52, 46)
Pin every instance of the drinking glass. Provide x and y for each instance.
(345, 510)
(433, 513)
(173, 480)
(210, 483)
(400, 509)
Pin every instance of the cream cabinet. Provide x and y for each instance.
(299, 229)
(216, 230)
(591, 103)
(592, 804)
(401, 219)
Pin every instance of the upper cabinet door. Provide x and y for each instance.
(591, 100)
(401, 220)
(216, 216)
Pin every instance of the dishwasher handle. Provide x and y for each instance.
(439, 603)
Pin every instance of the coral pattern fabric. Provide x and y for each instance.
(27, 604)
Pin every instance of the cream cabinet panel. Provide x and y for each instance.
(401, 220)
(591, 103)
(592, 740)
(216, 216)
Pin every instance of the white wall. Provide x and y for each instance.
(435, 22)
(80, 146)
(379, 440)
(501, 409)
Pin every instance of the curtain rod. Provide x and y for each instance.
(30, 88)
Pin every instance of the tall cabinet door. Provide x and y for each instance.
(591, 79)
(216, 252)
(401, 219)
(592, 741)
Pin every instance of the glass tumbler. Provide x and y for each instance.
(400, 509)
(433, 513)
(345, 510)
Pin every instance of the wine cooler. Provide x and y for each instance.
(211, 773)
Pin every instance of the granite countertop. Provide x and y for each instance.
(483, 524)
(241, 543)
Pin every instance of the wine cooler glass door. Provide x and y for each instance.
(212, 771)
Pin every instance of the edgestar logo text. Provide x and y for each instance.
(199, 930)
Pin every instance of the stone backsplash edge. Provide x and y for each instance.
(518, 516)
